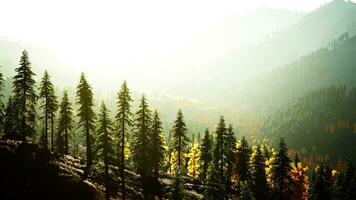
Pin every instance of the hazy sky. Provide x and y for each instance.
(87, 34)
(126, 28)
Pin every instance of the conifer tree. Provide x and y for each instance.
(280, 170)
(320, 186)
(49, 106)
(25, 97)
(230, 149)
(206, 154)
(157, 148)
(245, 192)
(345, 186)
(219, 150)
(258, 173)
(243, 154)
(65, 124)
(194, 159)
(105, 144)
(179, 138)
(215, 186)
(10, 121)
(141, 139)
(124, 122)
(177, 191)
(86, 115)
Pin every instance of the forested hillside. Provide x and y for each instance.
(128, 156)
(322, 123)
(332, 65)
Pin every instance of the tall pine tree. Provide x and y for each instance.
(258, 173)
(105, 144)
(230, 149)
(25, 97)
(10, 119)
(243, 154)
(179, 138)
(86, 115)
(65, 124)
(206, 154)
(219, 148)
(281, 168)
(157, 148)
(49, 106)
(124, 122)
(141, 139)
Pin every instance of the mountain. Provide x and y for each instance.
(321, 123)
(315, 30)
(335, 64)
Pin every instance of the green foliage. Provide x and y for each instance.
(86, 115)
(157, 146)
(206, 154)
(141, 140)
(258, 174)
(323, 118)
(215, 186)
(281, 167)
(177, 191)
(230, 150)
(49, 106)
(65, 125)
(124, 122)
(25, 97)
(219, 150)
(243, 153)
(10, 121)
(179, 138)
(321, 184)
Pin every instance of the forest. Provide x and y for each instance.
(128, 156)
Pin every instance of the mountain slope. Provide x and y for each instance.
(322, 122)
(335, 64)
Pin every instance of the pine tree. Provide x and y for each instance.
(10, 125)
(230, 149)
(219, 147)
(280, 170)
(179, 138)
(105, 144)
(86, 115)
(345, 186)
(320, 186)
(215, 189)
(49, 106)
(194, 158)
(177, 191)
(243, 154)
(141, 139)
(123, 119)
(258, 173)
(206, 154)
(157, 149)
(245, 192)
(25, 97)
(65, 124)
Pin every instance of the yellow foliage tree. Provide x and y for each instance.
(194, 161)
(300, 179)
(174, 161)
